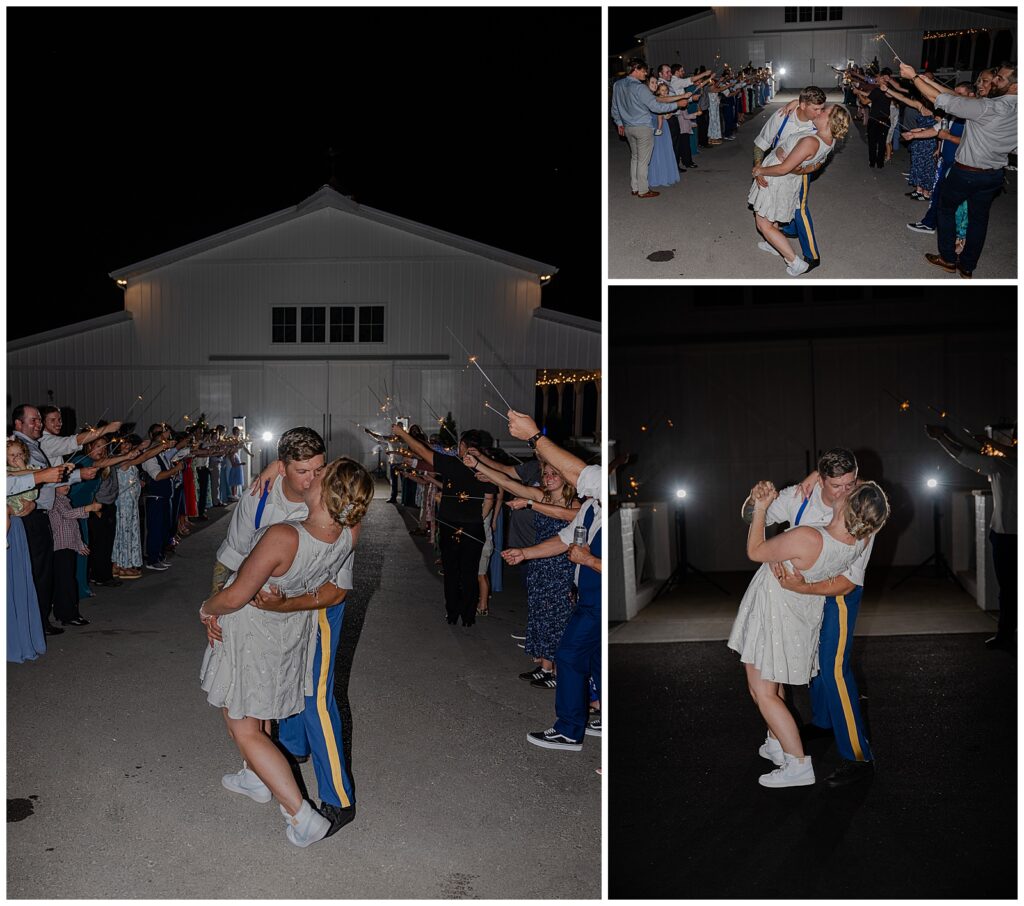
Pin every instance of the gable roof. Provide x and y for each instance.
(326, 197)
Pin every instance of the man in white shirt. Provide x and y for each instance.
(834, 697)
(317, 729)
(56, 447)
(782, 124)
(157, 491)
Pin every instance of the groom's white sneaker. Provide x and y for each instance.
(798, 267)
(794, 772)
(248, 784)
(771, 749)
(768, 247)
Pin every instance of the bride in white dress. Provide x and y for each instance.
(777, 200)
(776, 631)
(259, 670)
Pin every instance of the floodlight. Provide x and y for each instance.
(681, 493)
(267, 437)
(932, 483)
(782, 70)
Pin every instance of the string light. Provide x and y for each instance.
(567, 377)
(935, 35)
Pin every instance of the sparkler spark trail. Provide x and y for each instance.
(895, 55)
(487, 405)
(459, 532)
(473, 361)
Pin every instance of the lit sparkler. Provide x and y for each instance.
(896, 57)
(459, 532)
(487, 405)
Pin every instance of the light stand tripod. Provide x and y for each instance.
(683, 566)
(936, 556)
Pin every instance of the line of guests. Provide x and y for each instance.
(91, 509)
(463, 488)
(667, 118)
(960, 143)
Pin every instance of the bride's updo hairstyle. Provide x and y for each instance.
(346, 491)
(867, 509)
(839, 125)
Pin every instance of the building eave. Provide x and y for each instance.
(560, 317)
(68, 330)
(326, 197)
(694, 18)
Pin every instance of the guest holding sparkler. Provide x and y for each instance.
(877, 102)
(977, 173)
(579, 652)
(997, 460)
(548, 580)
(460, 517)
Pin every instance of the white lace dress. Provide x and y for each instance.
(261, 668)
(778, 630)
(782, 197)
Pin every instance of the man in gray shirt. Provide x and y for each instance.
(632, 106)
(977, 173)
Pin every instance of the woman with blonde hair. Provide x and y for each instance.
(548, 581)
(775, 202)
(259, 671)
(777, 630)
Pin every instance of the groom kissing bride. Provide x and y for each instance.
(800, 610)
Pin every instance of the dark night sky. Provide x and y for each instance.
(133, 131)
(625, 22)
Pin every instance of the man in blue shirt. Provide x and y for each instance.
(632, 106)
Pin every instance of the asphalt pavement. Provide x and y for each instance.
(701, 227)
(114, 758)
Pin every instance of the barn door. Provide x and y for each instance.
(356, 396)
(797, 54)
(294, 395)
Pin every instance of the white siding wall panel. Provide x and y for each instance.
(218, 303)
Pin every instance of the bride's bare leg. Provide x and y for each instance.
(774, 711)
(263, 757)
(773, 235)
(782, 695)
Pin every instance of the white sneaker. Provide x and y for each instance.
(798, 267)
(248, 784)
(306, 826)
(768, 247)
(795, 772)
(771, 749)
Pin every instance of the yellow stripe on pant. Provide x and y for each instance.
(837, 672)
(326, 727)
(808, 229)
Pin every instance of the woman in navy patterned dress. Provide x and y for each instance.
(548, 581)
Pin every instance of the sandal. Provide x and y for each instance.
(482, 613)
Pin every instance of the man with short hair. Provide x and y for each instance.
(158, 490)
(28, 427)
(465, 503)
(632, 106)
(834, 697)
(877, 102)
(790, 120)
(578, 658)
(977, 173)
(316, 730)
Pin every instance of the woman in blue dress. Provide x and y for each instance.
(25, 637)
(548, 581)
(663, 169)
(922, 150)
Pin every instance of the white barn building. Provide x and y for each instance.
(314, 315)
(807, 40)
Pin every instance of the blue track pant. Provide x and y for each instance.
(802, 226)
(316, 730)
(834, 696)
